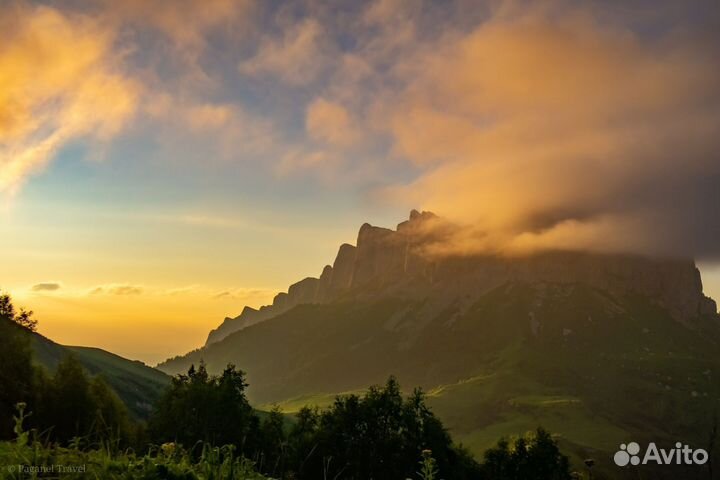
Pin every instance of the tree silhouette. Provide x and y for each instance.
(24, 318)
(208, 408)
(534, 456)
(17, 374)
(378, 435)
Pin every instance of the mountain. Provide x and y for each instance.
(602, 349)
(397, 262)
(137, 384)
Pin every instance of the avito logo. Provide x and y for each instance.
(680, 455)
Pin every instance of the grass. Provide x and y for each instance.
(319, 400)
(30, 459)
(479, 411)
(35, 461)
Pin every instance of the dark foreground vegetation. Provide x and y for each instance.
(71, 425)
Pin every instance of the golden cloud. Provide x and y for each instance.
(117, 290)
(58, 82)
(331, 123)
(555, 131)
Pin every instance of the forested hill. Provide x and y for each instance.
(138, 385)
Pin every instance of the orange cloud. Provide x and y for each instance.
(331, 123)
(58, 82)
(553, 131)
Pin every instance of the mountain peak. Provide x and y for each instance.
(396, 263)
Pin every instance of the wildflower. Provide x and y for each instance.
(168, 449)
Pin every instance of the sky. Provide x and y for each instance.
(163, 164)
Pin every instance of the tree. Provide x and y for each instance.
(69, 409)
(7, 309)
(24, 318)
(17, 373)
(110, 416)
(378, 435)
(534, 456)
(274, 443)
(199, 407)
(302, 441)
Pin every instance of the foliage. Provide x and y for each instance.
(428, 466)
(378, 435)
(17, 375)
(24, 318)
(23, 459)
(138, 385)
(72, 405)
(67, 405)
(533, 456)
(199, 407)
(274, 443)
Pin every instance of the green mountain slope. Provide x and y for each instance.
(597, 368)
(137, 385)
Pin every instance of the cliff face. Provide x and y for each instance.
(395, 262)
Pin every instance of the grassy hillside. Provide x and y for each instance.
(137, 385)
(597, 369)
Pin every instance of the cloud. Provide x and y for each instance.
(185, 122)
(181, 291)
(117, 290)
(297, 57)
(81, 73)
(46, 287)
(548, 129)
(244, 294)
(556, 125)
(59, 81)
(330, 122)
(319, 162)
(185, 22)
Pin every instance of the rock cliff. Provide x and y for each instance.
(397, 262)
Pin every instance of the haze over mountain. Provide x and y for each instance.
(599, 347)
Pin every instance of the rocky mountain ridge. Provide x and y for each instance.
(398, 263)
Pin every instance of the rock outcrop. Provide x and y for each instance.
(398, 262)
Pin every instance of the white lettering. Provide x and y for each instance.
(652, 455)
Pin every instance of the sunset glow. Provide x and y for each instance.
(163, 164)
